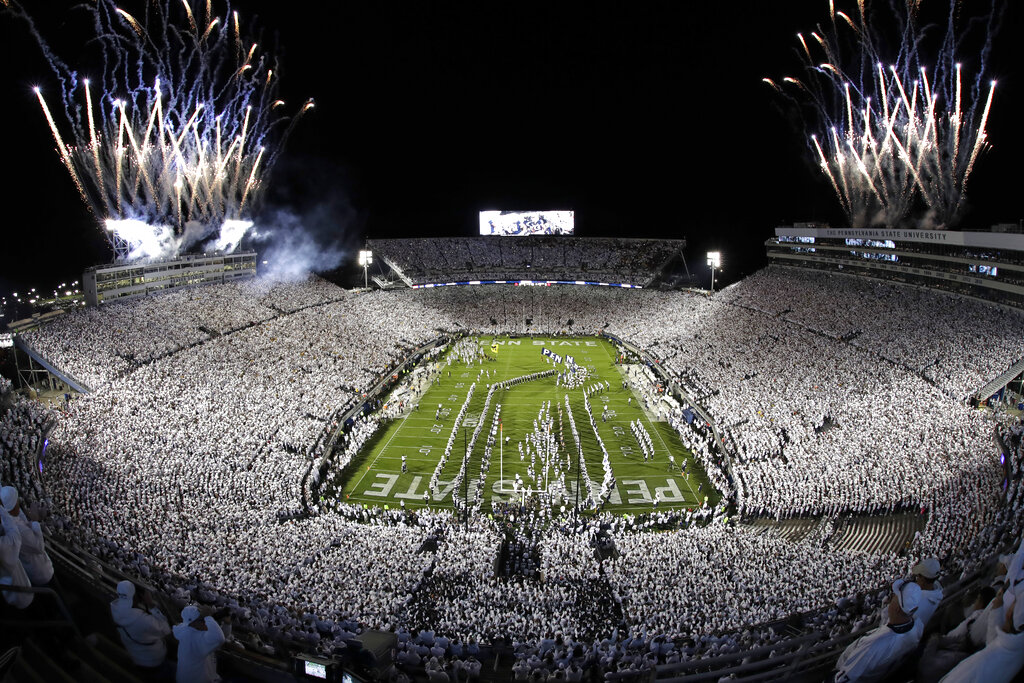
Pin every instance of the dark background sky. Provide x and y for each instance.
(647, 118)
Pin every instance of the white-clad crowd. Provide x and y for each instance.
(565, 258)
(956, 342)
(464, 596)
(22, 425)
(95, 345)
(712, 579)
(201, 432)
(822, 423)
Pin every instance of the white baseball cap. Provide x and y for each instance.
(9, 497)
(908, 595)
(126, 590)
(928, 568)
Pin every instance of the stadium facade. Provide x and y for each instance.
(988, 265)
(120, 281)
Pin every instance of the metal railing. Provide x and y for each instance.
(65, 622)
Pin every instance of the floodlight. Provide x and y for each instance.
(365, 259)
(714, 261)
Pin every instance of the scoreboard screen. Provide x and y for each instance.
(526, 222)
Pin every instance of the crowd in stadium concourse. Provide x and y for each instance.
(185, 467)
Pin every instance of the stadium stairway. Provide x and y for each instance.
(877, 534)
(794, 530)
(43, 642)
(44, 660)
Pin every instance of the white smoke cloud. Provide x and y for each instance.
(294, 246)
(231, 234)
(143, 241)
(194, 233)
(310, 223)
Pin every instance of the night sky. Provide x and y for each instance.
(648, 118)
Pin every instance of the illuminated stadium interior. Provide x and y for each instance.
(663, 342)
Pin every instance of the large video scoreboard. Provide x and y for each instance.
(527, 222)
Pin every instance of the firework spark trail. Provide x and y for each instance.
(184, 129)
(898, 134)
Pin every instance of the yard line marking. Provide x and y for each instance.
(651, 425)
(379, 453)
(414, 429)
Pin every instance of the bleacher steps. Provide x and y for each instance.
(113, 667)
(85, 672)
(80, 662)
(111, 652)
(22, 672)
(43, 665)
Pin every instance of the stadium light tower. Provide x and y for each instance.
(714, 261)
(365, 259)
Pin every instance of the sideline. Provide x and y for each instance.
(377, 457)
(652, 421)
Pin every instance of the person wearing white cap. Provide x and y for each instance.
(943, 652)
(1013, 584)
(33, 550)
(1002, 566)
(926, 573)
(12, 572)
(877, 653)
(1001, 659)
(198, 638)
(1015, 569)
(141, 625)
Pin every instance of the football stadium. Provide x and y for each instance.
(521, 448)
(420, 465)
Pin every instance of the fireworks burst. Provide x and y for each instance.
(172, 143)
(894, 129)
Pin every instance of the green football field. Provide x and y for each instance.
(426, 423)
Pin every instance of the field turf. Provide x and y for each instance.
(375, 477)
